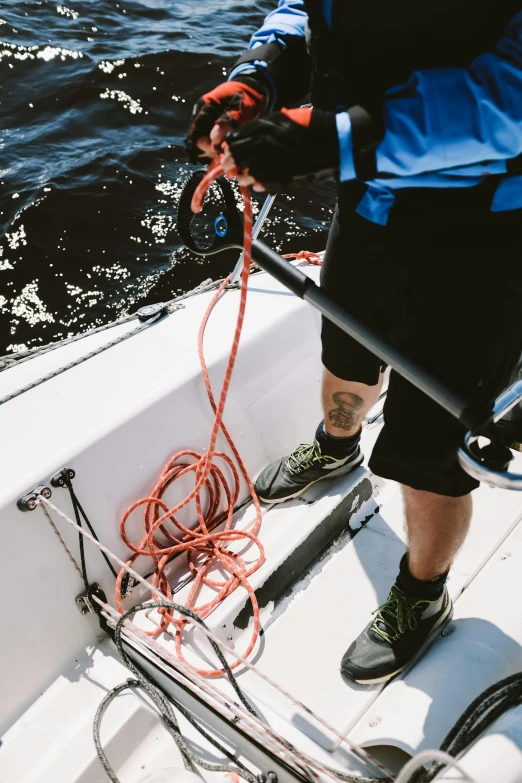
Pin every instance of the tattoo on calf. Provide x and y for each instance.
(345, 416)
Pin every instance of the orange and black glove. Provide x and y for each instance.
(231, 104)
(287, 147)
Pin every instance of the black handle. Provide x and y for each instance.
(228, 226)
(306, 289)
(488, 464)
(303, 287)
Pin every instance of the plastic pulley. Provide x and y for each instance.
(58, 480)
(28, 502)
(228, 226)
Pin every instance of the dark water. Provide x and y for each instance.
(95, 99)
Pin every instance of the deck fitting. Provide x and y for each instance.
(28, 502)
(58, 480)
(85, 602)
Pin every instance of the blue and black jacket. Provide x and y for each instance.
(426, 94)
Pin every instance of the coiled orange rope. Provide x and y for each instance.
(205, 549)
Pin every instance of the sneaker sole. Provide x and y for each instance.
(446, 617)
(340, 472)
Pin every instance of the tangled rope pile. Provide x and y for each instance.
(205, 549)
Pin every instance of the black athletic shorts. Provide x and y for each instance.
(443, 281)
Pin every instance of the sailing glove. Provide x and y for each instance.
(288, 147)
(236, 103)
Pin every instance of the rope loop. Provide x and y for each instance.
(206, 549)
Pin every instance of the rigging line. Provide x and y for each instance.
(123, 621)
(83, 564)
(171, 305)
(165, 708)
(14, 359)
(415, 764)
(230, 711)
(205, 685)
(490, 705)
(190, 718)
(476, 718)
(196, 619)
(484, 703)
(139, 637)
(512, 697)
(258, 728)
(247, 775)
(82, 551)
(167, 713)
(155, 591)
(78, 509)
(96, 728)
(74, 363)
(62, 542)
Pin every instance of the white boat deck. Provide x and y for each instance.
(331, 556)
(301, 649)
(304, 646)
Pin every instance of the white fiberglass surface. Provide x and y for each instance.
(482, 645)
(304, 647)
(115, 420)
(497, 755)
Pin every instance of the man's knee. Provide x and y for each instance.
(422, 499)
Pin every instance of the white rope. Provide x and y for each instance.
(355, 749)
(426, 757)
(267, 739)
(256, 727)
(62, 542)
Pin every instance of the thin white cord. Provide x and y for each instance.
(62, 542)
(253, 724)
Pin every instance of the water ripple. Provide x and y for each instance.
(95, 99)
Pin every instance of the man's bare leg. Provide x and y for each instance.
(346, 403)
(437, 526)
(333, 452)
(418, 602)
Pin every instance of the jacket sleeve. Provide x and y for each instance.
(287, 21)
(282, 60)
(445, 118)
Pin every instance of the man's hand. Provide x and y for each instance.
(283, 149)
(228, 106)
(242, 175)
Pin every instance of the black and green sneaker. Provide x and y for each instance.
(289, 476)
(402, 625)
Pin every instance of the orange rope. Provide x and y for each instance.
(308, 255)
(205, 549)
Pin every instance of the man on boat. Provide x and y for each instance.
(417, 110)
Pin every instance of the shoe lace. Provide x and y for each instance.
(304, 456)
(396, 616)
